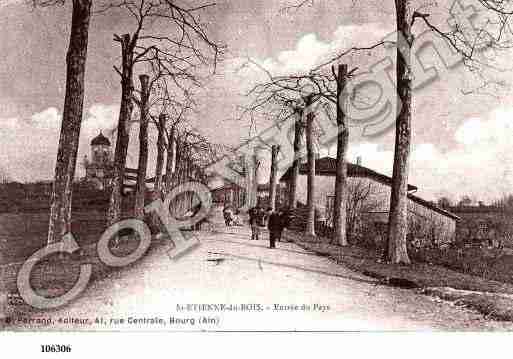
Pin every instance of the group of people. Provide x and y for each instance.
(231, 217)
(276, 221)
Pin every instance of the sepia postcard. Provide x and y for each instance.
(255, 166)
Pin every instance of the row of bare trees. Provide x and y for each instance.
(170, 48)
(186, 151)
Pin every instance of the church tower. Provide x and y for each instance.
(100, 149)
(99, 169)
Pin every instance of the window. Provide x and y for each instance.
(483, 227)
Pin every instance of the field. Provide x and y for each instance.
(22, 234)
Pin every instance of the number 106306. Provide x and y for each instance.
(55, 348)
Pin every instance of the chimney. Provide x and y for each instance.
(359, 160)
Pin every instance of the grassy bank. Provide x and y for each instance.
(490, 297)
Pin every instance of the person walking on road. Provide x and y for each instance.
(228, 216)
(285, 218)
(275, 226)
(255, 217)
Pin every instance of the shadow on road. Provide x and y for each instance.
(309, 253)
(298, 267)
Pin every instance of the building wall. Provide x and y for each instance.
(325, 186)
(425, 224)
(431, 225)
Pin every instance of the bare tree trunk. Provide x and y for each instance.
(398, 217)
(340, 204)
(160, 153)
(60, 205)
(171, 159)
(254, 183)
(247, 182)
(275, 150)
(310, 223)
(296, 164)
(125, 114)
(143, 148)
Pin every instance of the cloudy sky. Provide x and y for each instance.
(462, 142)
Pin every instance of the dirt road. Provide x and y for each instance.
(257, 288)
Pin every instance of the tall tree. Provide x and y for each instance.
(161, 147)
(123, 128)
(340, 204)
(273, 178)
(250, 166)
(255, 163)
(171, 158)
(396, 249)
(60, 205)
(143, 147)
(299, 130)
(310, 201)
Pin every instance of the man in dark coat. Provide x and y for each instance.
(285, 217)
(275, 226)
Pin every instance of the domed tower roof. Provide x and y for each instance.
(100, 140)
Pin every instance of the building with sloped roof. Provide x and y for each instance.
(369, 195)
